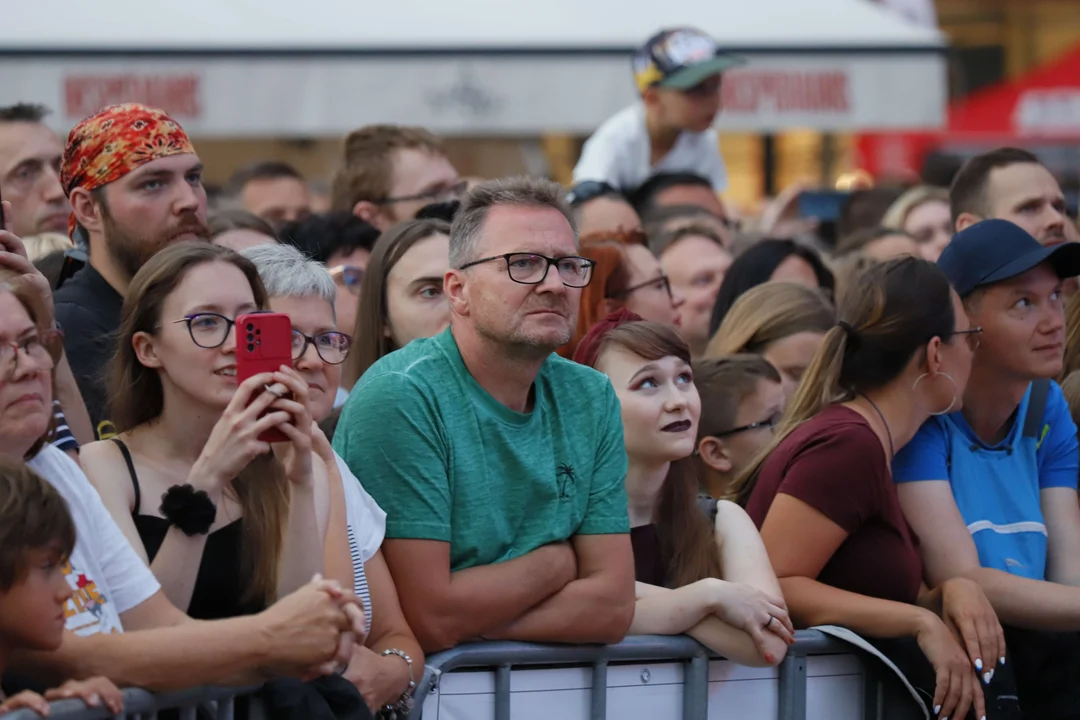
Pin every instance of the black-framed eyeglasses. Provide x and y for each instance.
(771, 422)
(973, 337)
(659, 282)
(350, 276)
(587, 190)
(208, 330)
(532, 269)
(333, 347)
(440, 194)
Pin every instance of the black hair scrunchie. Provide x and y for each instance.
(189, 509)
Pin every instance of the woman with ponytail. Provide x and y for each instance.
(705, 576)
(823, 495)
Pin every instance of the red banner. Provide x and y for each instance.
(179, 95)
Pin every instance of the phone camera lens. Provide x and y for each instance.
(250, 337)
(251, 347)
(250, 327)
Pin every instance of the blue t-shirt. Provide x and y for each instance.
(997, 487)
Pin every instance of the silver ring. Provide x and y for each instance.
(273, 392)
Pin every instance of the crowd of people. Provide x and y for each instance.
(515, 412)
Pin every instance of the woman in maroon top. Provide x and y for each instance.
(822, 492)
(711, 580)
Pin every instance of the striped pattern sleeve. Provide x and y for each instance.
(62, 437)
(360, 584)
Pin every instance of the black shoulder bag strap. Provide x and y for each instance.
(1033, 423)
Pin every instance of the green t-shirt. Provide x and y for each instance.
(448, 462)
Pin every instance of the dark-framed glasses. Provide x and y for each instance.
(351, 276)
(661, 282)
(771, 422)
(332, 347)
(439, 194)
(208, 330)
(44, 347)
(973, 337)
(532, 269)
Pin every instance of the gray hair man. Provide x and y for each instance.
(506, 510)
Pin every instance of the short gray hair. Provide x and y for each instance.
(521, 191)
(287, 272)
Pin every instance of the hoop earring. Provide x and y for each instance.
(955, 395)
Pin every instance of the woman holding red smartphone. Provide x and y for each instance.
(227, 521)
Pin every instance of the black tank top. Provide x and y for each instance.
(218, 585)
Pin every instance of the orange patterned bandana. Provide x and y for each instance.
(108, 145)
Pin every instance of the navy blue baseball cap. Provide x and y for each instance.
(994, 250)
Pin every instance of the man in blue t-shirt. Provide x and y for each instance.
(991, 490)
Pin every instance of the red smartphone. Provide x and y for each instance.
(263, 344)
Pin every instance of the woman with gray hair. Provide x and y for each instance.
(387, 668)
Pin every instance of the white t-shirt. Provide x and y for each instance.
(106, 575)
(618, 154)
(366, 527)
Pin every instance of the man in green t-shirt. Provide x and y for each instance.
(499, 464)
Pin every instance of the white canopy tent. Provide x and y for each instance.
(254, 68)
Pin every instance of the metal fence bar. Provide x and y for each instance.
(792, 691)
(696, 688)
(502, 692)
(598, 698)
(225, 709)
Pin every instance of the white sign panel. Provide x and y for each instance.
(471, 95)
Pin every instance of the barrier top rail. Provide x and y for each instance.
(138, 702)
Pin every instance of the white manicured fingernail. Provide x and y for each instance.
(937, 709)
(978, 663)
(1002, 659)
(987, 676)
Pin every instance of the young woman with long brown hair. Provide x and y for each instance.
(823, 495)
(402, 295)
(709, 578)
(226, 522)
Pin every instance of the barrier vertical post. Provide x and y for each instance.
(696, 688)
(598, 699)
(502, 692)
(792, 690)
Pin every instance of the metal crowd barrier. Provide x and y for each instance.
(146, 705)
(642, 677)
(639, 678)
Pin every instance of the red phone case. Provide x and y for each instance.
(263, 344)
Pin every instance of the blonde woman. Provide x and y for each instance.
(782, 322)
(38, 246)
(923, 213)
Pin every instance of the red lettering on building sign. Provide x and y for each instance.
(176, 94)
(759, 91)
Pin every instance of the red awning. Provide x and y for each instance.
(1041, 106)
(1045, 102)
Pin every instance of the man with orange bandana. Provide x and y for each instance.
(135, 186)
